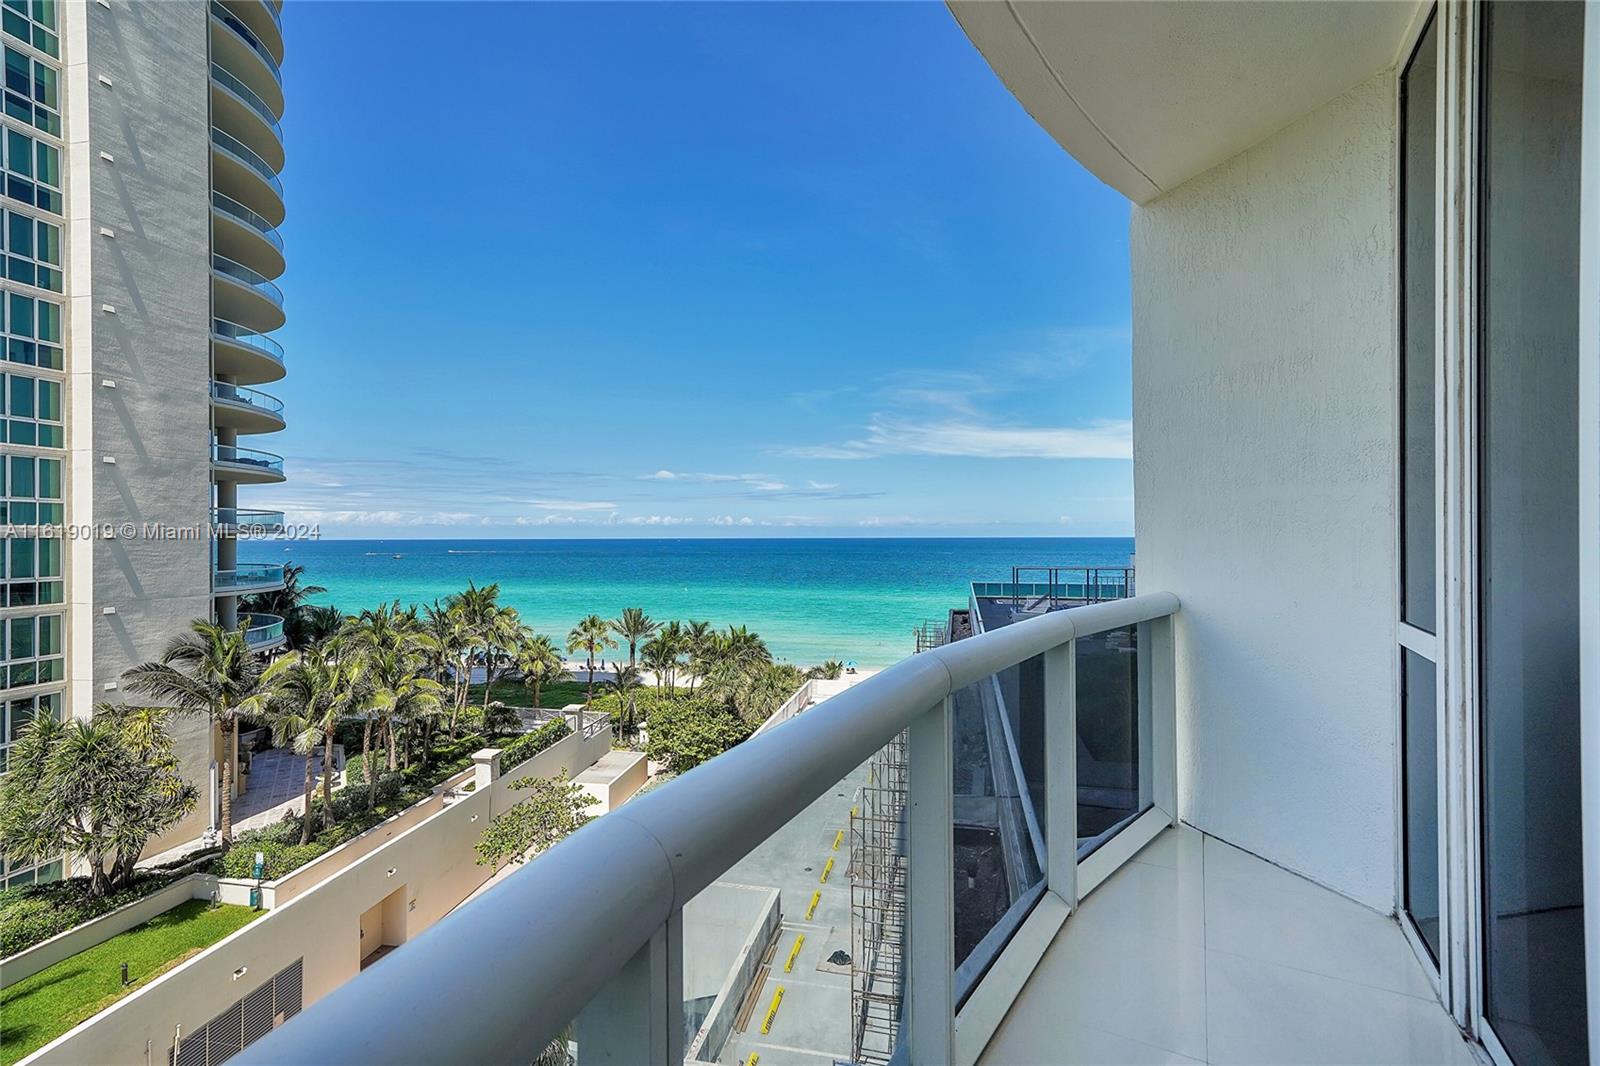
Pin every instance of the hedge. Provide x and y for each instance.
(528, 745)
(34, 913)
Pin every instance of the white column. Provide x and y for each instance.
(930, 882)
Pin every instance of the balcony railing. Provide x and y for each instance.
(243, 215)
(242, 520)
(233, 146)
(249, 338)
(227, 453)
(248, 36)
(251, 279)
(262, 630)
(246, 577)
(228, 393)
(247, 96)
(611, 956)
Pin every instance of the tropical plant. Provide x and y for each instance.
(447, 640)
(553, 810)
(209, 671)
(590, 636)
(289, 603)
(698, 642)
(313, 624)
(633, 625)
(828, 671)
(624, 685)
(687, 732)
(660, 656)
(500, 636)
(100, 789)
(541, 664)
(299, 727)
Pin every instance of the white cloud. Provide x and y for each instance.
(650, 520)
(570, 505)
(957, 437)
(759, 482)
(823, 486)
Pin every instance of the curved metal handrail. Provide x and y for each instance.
(227, 392)
(262, 629)
(247, 96)
(249, 338)
(239, 517)
(228, 453)
(642, 863)
(248, 576)
(242, 214)
(252, 279)
(248, 36)
(228, 144)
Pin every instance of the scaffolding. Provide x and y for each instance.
(878, 906)
(878, 889)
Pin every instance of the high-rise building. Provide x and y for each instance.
(141, 206)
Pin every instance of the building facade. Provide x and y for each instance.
(142, 200)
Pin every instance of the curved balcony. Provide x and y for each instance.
(242, 295)
(264, 20)
(238, 48)
(247, 578)
(245, 410)
(236, 107)
(232, 521)
(243, 176)
(263, 632)
(247, 466)
(244, 354)
(245, 237)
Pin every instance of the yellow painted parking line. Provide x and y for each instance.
(816, 897)
(838, 838)
(788, 967)
(753, 1059)
(772, 1011)
(826, 870)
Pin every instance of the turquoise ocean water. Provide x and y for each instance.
(811, 599)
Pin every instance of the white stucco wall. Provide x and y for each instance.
(1264, 451)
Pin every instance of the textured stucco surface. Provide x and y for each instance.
(154, 195)
(1264, 451)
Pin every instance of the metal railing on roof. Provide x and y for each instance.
(611, 955)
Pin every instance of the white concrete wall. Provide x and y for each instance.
(1264, 451)
(433, 860)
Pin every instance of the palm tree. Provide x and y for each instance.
(624, 684)
(317, 686)
(294, 724)
(313, 624)
(502, 633)
(540, 662)
(697, 642)
(288, 602)
(660, 657)
(633, 626)
(828, 671)
(207, 671)
(590, 636)
(391, 649)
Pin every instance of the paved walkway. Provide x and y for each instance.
(277, 787)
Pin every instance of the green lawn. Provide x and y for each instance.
(37, 1009)
(516, 694)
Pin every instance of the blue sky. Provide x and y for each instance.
(689, 269)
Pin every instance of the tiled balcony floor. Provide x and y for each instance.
(1199, 952)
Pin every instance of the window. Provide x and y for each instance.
(32, 22)
(16, 714)
(33, 251)
(33, 412)
(17, 876)
(32, 330)
(33, 89)
(1530, 140)
(31, 491)
(32, 650)
(33, 170)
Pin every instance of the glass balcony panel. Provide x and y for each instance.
(226, 79)
(241, 151)
(240, 213)
(247, 576)
(227, 453)
(997, 756)
(248, 337)
(243, 520)
(229, 393)
(1114, 771)
(248, 36)
(262, 630)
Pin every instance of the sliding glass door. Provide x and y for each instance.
(1530, 86)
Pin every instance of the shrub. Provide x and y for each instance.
(646, 699)
(34, 913)
(528, 745)
(685, 733)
